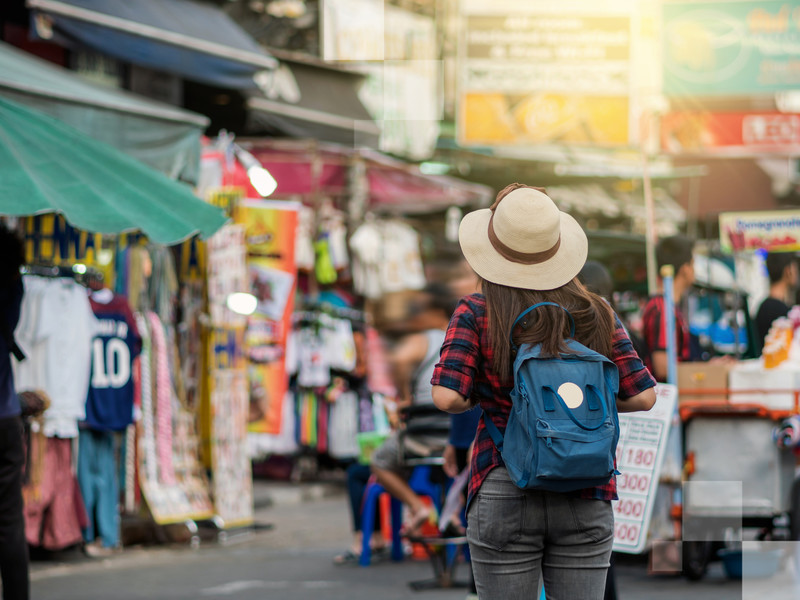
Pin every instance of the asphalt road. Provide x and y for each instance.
(293, 561)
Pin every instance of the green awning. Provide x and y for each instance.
(47, 166)
(164, 137)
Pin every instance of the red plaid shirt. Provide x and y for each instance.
(465, 367)
(654, 331)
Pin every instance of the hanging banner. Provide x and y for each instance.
(640, 455)
(731, 48)
(774, 231)
(270, 237)
(730, 133)
(543, 75)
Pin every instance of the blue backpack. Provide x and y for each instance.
(563, 428)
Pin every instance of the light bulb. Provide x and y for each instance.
(242, 303)
(262, 181)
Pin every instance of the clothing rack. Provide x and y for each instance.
(81, 273)
(313, 311)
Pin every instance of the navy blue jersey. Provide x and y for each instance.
(109, 406)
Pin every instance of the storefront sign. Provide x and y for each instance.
(731, 48)
(541, 75)
(775, 231)
(730, 133)
(270, 237)
(640, 454)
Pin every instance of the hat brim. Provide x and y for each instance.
(560, 269)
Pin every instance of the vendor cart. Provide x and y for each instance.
(736, 476)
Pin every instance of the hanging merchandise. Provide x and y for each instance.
(401, 268)
(163, 399)
(169, 474)
(386, 258)
(378, 376)
(55, 331)
(55, 519)
(229, 392)
(313, 368)
(344, 426)
(304, 239)
(109, 408)
(341, 348)
(109, 405)
(367, 245)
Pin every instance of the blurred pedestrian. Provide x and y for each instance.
(678, 251)
(412, 362)
(526, 251)
(13, 546)
(783, 277)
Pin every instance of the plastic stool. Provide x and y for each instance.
(369, 506)
(421, 484)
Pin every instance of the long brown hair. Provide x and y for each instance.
(549, 325)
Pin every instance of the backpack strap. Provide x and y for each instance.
(594, 403)
(529, 309)
(494, 432)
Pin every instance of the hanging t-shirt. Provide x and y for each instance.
(109, 404)
(56, 331)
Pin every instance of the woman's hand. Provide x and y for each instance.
(450, 465)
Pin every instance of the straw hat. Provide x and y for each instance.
(523, 241)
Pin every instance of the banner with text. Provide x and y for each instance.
(730, 133)
(270, 236)
(539, 76)
(774, 231)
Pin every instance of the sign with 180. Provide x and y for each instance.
(640, 452)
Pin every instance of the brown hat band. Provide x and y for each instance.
(525, 258)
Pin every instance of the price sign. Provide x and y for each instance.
(640, 453)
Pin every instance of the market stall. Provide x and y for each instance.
(100, 329)
(324, 256)
(738, 422)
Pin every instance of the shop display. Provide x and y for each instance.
(232, 488)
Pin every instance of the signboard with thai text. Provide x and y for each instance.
(541, 74)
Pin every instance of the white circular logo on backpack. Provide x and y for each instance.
(572, 394)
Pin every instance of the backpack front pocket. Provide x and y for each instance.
(575, 454)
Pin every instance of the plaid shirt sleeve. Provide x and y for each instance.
(458, 359)
(634, 377)
(654, 335)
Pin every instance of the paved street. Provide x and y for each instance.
(293, 561)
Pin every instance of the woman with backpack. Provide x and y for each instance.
(531, 516)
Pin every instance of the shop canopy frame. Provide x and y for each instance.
(310, 170)
(47, 166)
(164, 137)
(194, 40)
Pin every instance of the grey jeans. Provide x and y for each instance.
(519, 537)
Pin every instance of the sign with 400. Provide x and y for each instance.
(640, 452)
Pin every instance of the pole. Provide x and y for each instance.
(675, 440)
(650, 233)
(667, 275)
